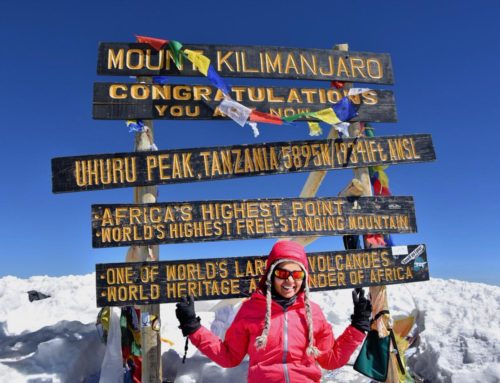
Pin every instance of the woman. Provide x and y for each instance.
(284, 333)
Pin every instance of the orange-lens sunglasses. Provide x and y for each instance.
(284, 274)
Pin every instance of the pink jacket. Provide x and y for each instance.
(284, 358)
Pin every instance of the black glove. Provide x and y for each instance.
(362, 310)
(186, 316)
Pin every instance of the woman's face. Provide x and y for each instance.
(288, 287)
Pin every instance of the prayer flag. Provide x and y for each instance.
(153, 41)
(381, 175)
(356, 91)
(200, 61)
(265, 117)
(175, 48)
(369, 131)
(215, 79)
(255, 130)
(294, 117)
(337, 84)
(375, 240)
(326, 115)
(343, 128)
(378, 189)
(314, 128)
(135, 125)
(236, 111)
(345, 109)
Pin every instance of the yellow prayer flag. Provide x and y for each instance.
(314, 128)
(200, 61)
(327, 115)
(382, 176)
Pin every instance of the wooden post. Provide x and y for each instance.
(315, 179)
(359, 186)
(378, 294)
(150, 339)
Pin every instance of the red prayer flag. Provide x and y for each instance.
(257, 116)
(375, 240)
(153, 41)
(378, 189)
(337, 84)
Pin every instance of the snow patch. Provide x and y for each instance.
(55, 340)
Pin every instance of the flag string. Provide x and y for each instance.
(337, 115)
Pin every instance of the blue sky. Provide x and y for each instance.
(446, 83)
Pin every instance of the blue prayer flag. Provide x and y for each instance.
(135, 125)
(345, 109)
(215, 79)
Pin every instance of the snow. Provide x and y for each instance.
(55, 340)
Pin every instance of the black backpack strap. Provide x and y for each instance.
(398, 357)
(379, 314)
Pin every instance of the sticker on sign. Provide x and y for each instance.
(414, 254)
(399, 250)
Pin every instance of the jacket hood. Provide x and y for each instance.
(285, 249)
(289, 250)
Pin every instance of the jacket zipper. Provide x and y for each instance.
(285, 346)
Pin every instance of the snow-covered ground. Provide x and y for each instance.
(55, 340)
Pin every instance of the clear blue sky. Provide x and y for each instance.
(446, 65)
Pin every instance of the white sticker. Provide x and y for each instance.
(414, 254)
(399, 250)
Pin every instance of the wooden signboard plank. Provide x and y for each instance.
(107, 171)
(127, 101)
(123, 284)
(135, 59)
(199, 221)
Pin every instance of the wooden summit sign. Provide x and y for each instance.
(107, 171)
(126, 101)
(198, 221)
(135, 59)
(123, 284)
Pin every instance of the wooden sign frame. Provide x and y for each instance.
(128, 101)
(136, 59)
(107, 171)
(140, 283)
(199, 221)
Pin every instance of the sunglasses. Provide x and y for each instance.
(284, 274)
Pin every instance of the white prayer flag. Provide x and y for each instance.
(356, 91)
(255, 130)
(343, 128)
(234, 110)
